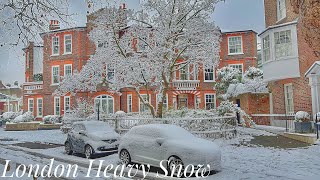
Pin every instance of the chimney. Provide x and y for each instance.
(54, 24)
(123, 6)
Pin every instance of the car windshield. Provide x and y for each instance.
(178, 133)
(99, 127)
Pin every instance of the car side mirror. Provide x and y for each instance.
(82, 132)
(160, 141)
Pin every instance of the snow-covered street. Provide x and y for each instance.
(241, 159)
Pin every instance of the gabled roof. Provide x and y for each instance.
(314, 69)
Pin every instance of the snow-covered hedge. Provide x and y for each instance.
(26, 117)
(302, 116)
(192, 113)
(8, 116)
(51, 119)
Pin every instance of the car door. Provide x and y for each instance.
(152, 151)
(73, 137)
(81, 141)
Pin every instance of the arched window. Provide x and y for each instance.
(105, 104)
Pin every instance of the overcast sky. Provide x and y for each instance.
(231, 15)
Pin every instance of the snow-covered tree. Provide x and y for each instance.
(21, 20)
(233, 86)
(225, 77)
(163, 37)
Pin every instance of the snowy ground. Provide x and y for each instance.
(241, 160)
(45, 136)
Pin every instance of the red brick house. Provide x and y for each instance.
(286, 57)
(67, 50)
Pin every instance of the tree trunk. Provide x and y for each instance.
(164, 95)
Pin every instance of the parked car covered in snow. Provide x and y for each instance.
(153, 143)
(91, 138)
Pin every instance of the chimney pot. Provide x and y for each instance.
(54, 24)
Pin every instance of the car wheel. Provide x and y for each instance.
(88, 151)
(125, 157)
(68, 148)
(175, 161)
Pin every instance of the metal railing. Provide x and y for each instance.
(215, 127)
(277, 120)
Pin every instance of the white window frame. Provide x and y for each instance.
(140, 100)
(107, 98)
(107, 72)
(64, 70)
(52, 77)
(30, 99)
(157, 101)
(64, 103)
(129, 103)
(235, 45)
(65, 45)
(205, 100)
(279, 9)
(266, 49)
(204, 74)
(231, 65)
(288, 45)
(55, 105)
(38, 115)
(286, 98)
(52, 46)
(187, 73)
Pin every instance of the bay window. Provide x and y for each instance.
(266, 48)
(283, 44)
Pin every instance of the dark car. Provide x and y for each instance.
(91, 138)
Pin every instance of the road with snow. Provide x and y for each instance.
(241, 158)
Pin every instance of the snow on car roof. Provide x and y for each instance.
(165, 129)
(92, 123)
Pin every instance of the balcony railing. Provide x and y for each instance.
(33, 87)
(186, 84)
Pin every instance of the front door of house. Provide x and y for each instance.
(182, 101)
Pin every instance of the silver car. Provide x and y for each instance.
(91, 138)
(157, 143)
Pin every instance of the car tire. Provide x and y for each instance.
(125, 157)
(68, 148)
(174, 160)
(88, 151)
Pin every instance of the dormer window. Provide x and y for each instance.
(281, 9)
(55, 45)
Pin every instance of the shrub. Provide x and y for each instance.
(26, 117)
(51, 119)
(302, 116)
(9, 116)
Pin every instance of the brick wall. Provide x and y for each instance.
(270, 7)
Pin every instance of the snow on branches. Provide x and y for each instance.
(163, 37)
(232, 84)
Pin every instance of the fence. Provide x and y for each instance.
(215, 127)
(278, 120)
